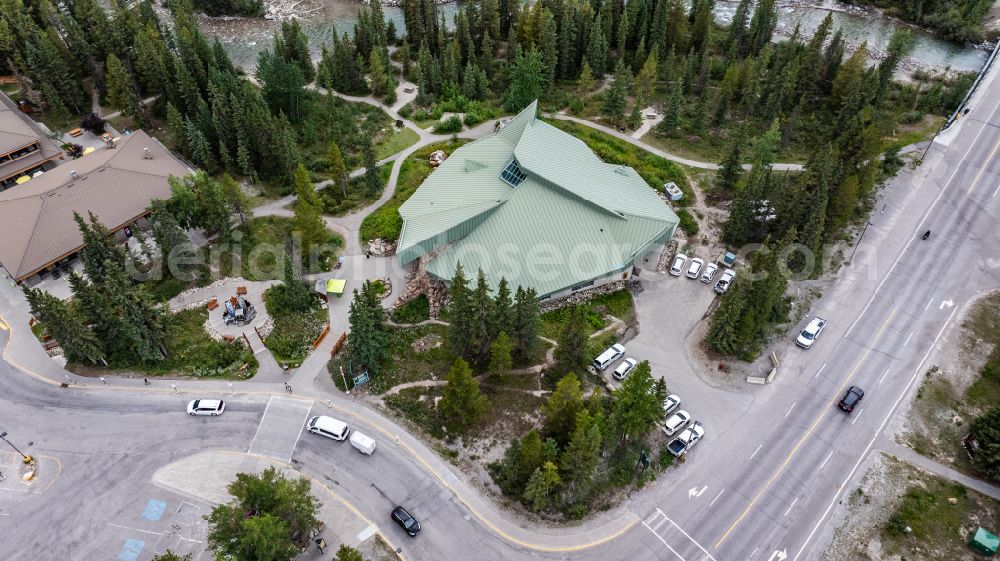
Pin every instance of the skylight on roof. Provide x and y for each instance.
(512, 174)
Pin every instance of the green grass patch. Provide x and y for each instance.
(414, 311)
(618, 304)
(336, 204)
(385, 222)
(294, 332)
(398, 141)
(653, 169)
(260, 253)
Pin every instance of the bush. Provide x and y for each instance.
(414, 311)
(688, 223)
(93, 123)
(472, 119)
(406, 110)
(450, 125)
(576, 106)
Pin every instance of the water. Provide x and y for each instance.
(243, 38)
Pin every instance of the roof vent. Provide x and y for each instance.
(622, 170)
(73, 174)
(146, 154)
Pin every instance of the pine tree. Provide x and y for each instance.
(637, 408)
(549, 50)
(293, 46)
(541, 485)
(99, 249)
(585, 83)
(672, 116)
(235, 198)
(346, 552)
(986, 431)
(64, 323)
(743, 223)
(730, 170)
(570, 353)
(737, 30)
(377, 76)
(481, 318)
(338, 171)
(459, 308)
(503, 309)
(373, 180)
(461, 403)
(367, 340)
(616, 97)
(525, 324)
(562, 408)
(646, 80)
(307, 221)
(170, 238)
(583, 455)
(500, 356)
(597, 49)
(122, 92)
(297, 297)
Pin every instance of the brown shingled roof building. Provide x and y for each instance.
(24, 149)
(115, 184)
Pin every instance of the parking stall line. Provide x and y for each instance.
(716, 497)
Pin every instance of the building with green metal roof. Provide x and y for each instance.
(535, 205)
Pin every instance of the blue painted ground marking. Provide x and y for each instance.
(131, 550)
(154, 510)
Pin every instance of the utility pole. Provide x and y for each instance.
(25, 457)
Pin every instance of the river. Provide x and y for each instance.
(243, 38)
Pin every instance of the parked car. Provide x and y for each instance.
(686, 440)
(406, 521)
(328, 427)
(363, 443)
(624, 368)
(851, 399)
(211, 407)
(678, 267)
(611, 354)
(695, 268)
(676, 422)
(670, 403)
(809, 335)
(725, 281)
(709, 274)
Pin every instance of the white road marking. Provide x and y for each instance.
(135, 529)
(860, 411)
(761, 445)
(825, 460)
(716, 497)
(791, 506)
(907, 341)
(752, 554)
(688, 536)
(883, 376)
(301, 428)
(820, 370)
(790, 409)
(885, 420)
(997, 191)
(946, 304)
(259, 424)
(663, 541)
(695, 492)
(366, 533)
(929, 302)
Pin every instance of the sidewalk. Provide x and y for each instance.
(206, 475)
(910, 456)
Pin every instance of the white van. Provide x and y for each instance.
(328, 427)
(613, 353)
(363, 443)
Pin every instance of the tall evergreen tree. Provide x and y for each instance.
(637, 408)
(64, 323)
(616, 97)
(461, 403)
(571, 352)
(562, 408)
(526, 324)
(481, 317)
(459, 313)
(368, 339)
(308, 222)
(526, 81)
(338, 171)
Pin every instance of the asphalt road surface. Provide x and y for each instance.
(761, 486)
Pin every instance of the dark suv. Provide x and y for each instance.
(406, 521)
(851, 399)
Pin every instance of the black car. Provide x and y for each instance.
(851, 399)
(406, 521)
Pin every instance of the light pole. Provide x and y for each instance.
(3, 436)
(867, 224)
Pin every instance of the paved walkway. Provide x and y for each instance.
(909, 456)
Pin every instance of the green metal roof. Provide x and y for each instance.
(573, 219)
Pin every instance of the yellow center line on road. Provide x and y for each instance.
(808, 432)
(983, 169)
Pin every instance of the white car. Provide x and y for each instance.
(686, 440)
(725, 281)
(624, 368)
(678, 267)
(809, 335)
(695, 269)
(671, 403)
(676, 422)
(211, 407)
(709, 274)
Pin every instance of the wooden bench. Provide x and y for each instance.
(49, 345)
(241, 290)
(76, 132)
(229, 338)
(213, 304)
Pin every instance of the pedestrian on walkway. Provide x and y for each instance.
(145, 381)
(288, 388)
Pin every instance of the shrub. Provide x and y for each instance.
(688, 223)
(472, 119)
(93, 123)
(450, 125)
(576, 106)
(414, 311)
(406, 110)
